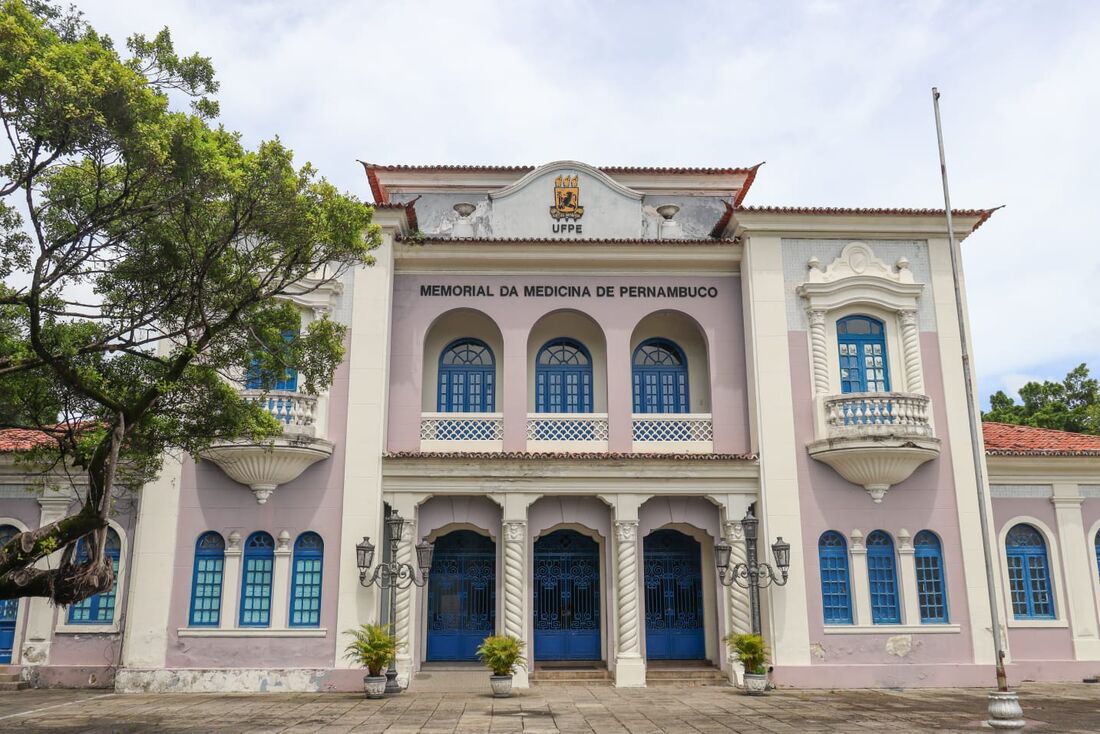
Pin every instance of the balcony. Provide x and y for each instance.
(461, 431)
(575, 432)
(875, 440)
(262, 467)
(688, 433)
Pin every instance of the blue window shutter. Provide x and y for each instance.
(836, 590)
(206, 581)
(305, 582)
(931, 588)
(256, 580)
(1029, 573)
(861, 343)
(883, 574)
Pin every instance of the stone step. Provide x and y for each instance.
(566, 674)
(8, 677)
(685, 674)
(13, 685)
(605, 683)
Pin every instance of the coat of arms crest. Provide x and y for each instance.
(567, 197)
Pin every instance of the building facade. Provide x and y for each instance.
(575, 383)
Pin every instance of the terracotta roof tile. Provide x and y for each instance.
(610, 170)
(1004, 439)
(19, 439)
(554, 455)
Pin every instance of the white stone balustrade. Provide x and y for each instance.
(876, 414)
(296, 411)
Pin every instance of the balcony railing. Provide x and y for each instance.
(297, 412)
(567, 431)
(672, 428)
(856, 415)
(451, 427)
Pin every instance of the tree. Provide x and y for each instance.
(143, 254)
(1070, 405)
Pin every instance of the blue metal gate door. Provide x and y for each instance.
(567, 597)
(9, 608)
(461, 595)
(673, 597)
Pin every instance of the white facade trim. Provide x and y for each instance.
(892, 629)
(252, 632)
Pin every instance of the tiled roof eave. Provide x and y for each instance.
(559, 455)
(566, 241)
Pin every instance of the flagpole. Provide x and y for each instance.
(1003, 696)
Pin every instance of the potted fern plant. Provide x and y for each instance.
(373, 647)
(753, 654)
(501, 654)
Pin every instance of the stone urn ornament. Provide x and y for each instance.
(501, 654)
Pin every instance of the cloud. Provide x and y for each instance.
(834, 95)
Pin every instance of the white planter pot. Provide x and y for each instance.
(1005, 713)
(501, 685)
(374, 685)
(755, 684)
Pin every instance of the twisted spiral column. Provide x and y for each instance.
(819, 352)
(910, 344)
(403, 616)
(515, 537)
(626, 537)
(740, 613)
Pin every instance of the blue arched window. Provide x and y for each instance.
(259, 564)
(467, 378)
(206, 581)
(931, 590)
(100, 608)
(882, 570)
(563, 378)
(254, 378)
(1028, 573)
(660, 378)
(836, 590)
(305, 585)
(862, 344)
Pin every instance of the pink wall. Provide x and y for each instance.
(925, 501)
(720, 319)
(210, 500)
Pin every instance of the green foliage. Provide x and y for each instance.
(147, 255)
(751, 651)
(372, 646)
(501, 654)
(1070, 405)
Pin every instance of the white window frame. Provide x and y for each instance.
(1057, 578)
(62, 625)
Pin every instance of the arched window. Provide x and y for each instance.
(305, 585)
(660, 378)
(259, 562)
(836, 591)
(254, 378)
(100, 608)
(563, 378)
(931, 591)
(206, 581)
(862, 344)
(1028, 573)
(467, 378)
(882, 570)
(9, 608)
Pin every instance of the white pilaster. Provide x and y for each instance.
(819, 351)
(406, 506)
(629, 664)
(739, 619)
(517, 589)
(907, 557)
(145, 644)
(861, 582)
(280, 583)
(1079, 564)
(910, 346)
(40, 613)
(231, 581)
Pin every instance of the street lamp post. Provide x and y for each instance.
(753, 574)
(393, 575)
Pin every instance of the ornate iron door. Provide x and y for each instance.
(567, 597)
(9, 608)
(461, 595)
(673, 597)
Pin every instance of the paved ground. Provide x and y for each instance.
(569, 710)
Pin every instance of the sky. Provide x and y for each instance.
(834, 96)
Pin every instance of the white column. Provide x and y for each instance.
(910, 347)
(861, 583)
(739, 620)
(231, 581)
(280, 583)
(406, 506)
(1078, 560)
(40, 613)
(516, 589)
(148, 602)
(819, 352)
(907, 557)
(629, 664)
